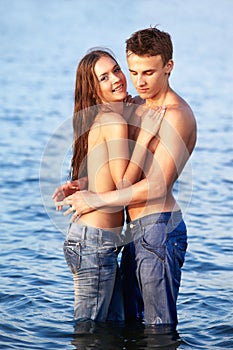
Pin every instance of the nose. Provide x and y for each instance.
(140, 80)
(115, 78)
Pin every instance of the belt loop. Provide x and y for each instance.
(116, 247)
(100, 237)
(172, 220)
(83, 237)
(141, 225)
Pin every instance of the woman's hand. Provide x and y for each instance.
(68, 189)
(128, 100)
(150, 124)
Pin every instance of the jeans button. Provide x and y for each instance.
(131, 225)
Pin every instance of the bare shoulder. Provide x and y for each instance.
(110, 125)
(179, 124)
(110, 118)
(180, 116)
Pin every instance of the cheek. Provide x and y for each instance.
(124, 78)
(104, 90)
(133, 78)
(155, 81)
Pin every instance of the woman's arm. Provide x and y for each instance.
(125, 171)
(150, 125)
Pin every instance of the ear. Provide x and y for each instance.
(169, 66)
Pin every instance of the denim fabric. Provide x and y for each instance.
(91, 254)
(133, 303)
(159, 243)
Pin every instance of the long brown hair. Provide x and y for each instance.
(87, 101)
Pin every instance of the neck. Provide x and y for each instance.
(117, 107)
(160, 99)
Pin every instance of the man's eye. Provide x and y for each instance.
(149, 73)
(133, 73)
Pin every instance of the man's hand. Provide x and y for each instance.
(81, 202)
(68, 189)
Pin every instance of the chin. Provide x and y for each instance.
(120, 97)
(144, 95)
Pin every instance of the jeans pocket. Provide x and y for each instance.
(179, 249)
(159, 251)
(72, 253)
(153, 239)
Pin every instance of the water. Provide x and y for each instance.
(41, 43)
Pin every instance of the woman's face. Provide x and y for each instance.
(112, 81)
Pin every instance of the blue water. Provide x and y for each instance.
(40, 44)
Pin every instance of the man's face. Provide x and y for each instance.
(148, 74)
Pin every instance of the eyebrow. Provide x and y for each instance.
(116, 65)
(145, 71)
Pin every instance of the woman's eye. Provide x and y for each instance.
(103, 78)
(117, 69)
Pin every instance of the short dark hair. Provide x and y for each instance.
(150, 42)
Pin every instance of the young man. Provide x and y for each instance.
(156, 226)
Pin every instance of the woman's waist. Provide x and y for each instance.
(86, 235)
(110, 221)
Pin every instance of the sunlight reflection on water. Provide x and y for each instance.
(41, 43)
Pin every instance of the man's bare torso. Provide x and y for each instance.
(178, 130)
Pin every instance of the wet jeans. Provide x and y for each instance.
(156, 255)
(91, 254)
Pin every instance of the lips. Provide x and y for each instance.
(119, 88)
(141, 91)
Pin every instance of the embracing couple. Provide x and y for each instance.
(127, 155)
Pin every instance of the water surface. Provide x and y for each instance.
(41, 43)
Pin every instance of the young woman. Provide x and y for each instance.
(101, 153)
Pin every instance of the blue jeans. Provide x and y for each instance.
(156, 255)
(91, 254)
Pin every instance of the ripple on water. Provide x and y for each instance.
(38, 62)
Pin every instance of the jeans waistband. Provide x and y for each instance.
(174, 217)
(77, 232)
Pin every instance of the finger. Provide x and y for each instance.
(61, 203)
(58, 192)
(71, 185)
(152, 113)
(158, 109)
(159, 114)
(58, 197)
(69, 211)
(55, 194)
(163, 111)
(75, 216)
